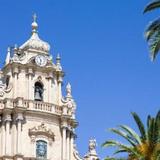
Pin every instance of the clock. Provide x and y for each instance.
(41, 60)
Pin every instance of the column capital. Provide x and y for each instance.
(15, 70)
(6, 117)
(64, 127)
(19, 117)
(30, 72)
(8, 103)
(18, 102)
(64, 123)
(50, 75)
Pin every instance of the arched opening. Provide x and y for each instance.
(38, 91)
(41, 149)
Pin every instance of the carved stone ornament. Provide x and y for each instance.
(92, 144)
(4, 88)
(19, 56)
(70, 104)
(41, 131)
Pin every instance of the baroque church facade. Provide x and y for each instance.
(36, 120)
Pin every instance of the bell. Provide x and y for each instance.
(38, 94)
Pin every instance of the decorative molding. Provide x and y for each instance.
(5, 89)
(70, 104)
(19, 56)
(41, 131)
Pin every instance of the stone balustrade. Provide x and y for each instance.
(42, 106)
(32, 105)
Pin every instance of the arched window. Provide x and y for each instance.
(41, 149)
(38, 91)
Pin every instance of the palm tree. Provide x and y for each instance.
(152, 32)
(145, 146)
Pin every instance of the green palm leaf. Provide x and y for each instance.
(124, 135)
(140, 125)
(143, 147)
(152, 28)
(151, 6)
(151, 131)
(127, 148)
(152, 32)
(154, 44)
(132, 133)
(157, 129)
(119, 151)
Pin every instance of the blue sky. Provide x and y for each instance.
(104, 55)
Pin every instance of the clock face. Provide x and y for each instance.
(41, 60)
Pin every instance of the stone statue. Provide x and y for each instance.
(92, 145)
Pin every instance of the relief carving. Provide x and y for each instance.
(5, 85)
(40, 132)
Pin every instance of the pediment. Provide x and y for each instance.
(41, 130)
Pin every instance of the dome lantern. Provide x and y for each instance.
(35, 43)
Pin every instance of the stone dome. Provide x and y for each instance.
(35, 42)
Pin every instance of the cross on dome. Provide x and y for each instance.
(35, 43)
(34, 17)
(34, 24)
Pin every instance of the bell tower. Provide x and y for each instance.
(37, 122)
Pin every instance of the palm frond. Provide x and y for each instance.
(150, 131)
(127, 148)
(124, 135)
(154, 45)
(152, 6)
(157, 129)
(140, 125)
(119, 151)
(152, 28)
(148, 121)
(132, 133)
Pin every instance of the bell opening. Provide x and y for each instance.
(38, 91)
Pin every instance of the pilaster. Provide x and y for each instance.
(19, 120)
(15, 86)
(7, 122)
(68, 145)
(30, 89)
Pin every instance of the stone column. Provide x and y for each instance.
(19, 120)
(59, 88)
(15, 72)
(33, 146)
(50, 77)
(49, 90)
(30, 74)
(7, 119)
(14, 136)
(64, 143)
(71, 146)
(3, 138)
(68, 145)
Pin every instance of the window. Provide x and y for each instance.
(38, 91)
(41, 149)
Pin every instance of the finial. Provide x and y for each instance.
(8, 56)
(34, 17)
(15, 46)
(68, 90)
(58, 58)
(58, 62)
(34, 24)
